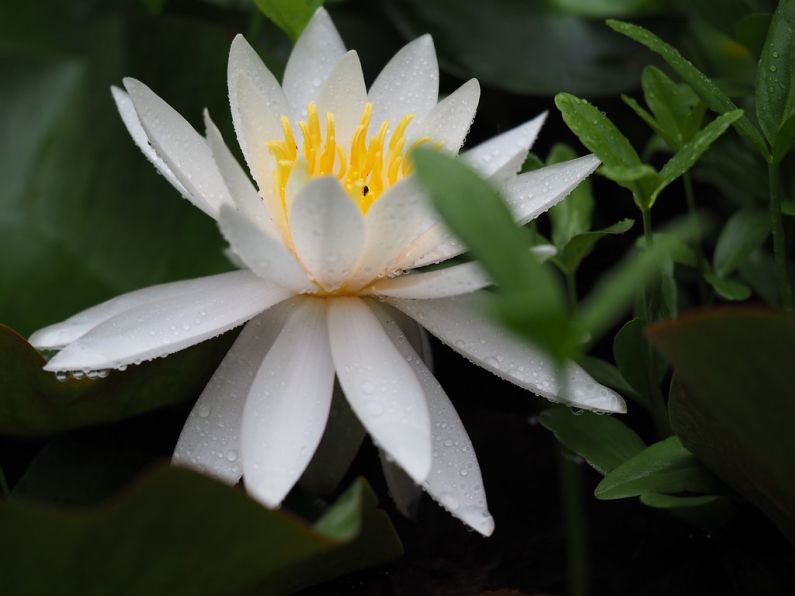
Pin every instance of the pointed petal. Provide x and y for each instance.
(380, 385)
(455, 481)
(160, 328)
(408, 84)
(210, 439)
(457, 322)
(313, 58)
(244, 59)
(288, 405)
(65, 332)
(133, 124)
(510, 147)
(344, 95)
(340, 443)
(181, 147)
(531, 194)
(442, 283)
(264, 255)
(392, 224)
(449, 121)
(528, 195)
(256, 123)
(244, 195)
(328, 231)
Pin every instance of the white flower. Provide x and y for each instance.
(327, 247)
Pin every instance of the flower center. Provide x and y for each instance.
(366, 169)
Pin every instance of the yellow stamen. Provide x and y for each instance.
(366, 169)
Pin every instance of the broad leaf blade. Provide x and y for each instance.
(775, 78)
(745, 231)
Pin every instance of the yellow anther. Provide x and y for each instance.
(366, 169)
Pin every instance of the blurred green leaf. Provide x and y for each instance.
(84, 213)
(607, 8)
(665, 467)
(572, 216)
(705, 511)
(485, 224)
(775, 80)
(34, 403)
(751, 31)
(690, 152)
(580, 56)
(606, 373)
(728, 288)
(745, 231)
(615, 289)
(603, 441)
(177, 532)
(661, 501)
(648, 118)
(291, 16)
(709, 92)
(736, 408)
(784, 139)
(581, 245)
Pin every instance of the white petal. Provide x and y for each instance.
(442, 283)
(288, 405)
(528, 196)
(244, 195)
(264, 255)
(313, 58)
(450, 119)
(531, 194)
(210, 439)
(344, 95)
(340, 443)
(133, 124)
(328, 231)
(392, 224)
(455, 481)
(244, 59)
(181, 147)
(511, 146)
(160, 328)
(65, 332)
(380, 385)
(457, 322)
(408, 84)
(255, 124)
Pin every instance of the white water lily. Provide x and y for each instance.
(328, 243)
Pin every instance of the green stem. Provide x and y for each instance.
(779, 241)
(658, 407)
(700, 259)
(571, 291)
(570, 473)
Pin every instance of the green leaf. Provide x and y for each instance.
(597, 132)
(688, 155)
(476, 213)
(614, 292)
(665, 467)
(84, 213)
(673, 106)
(177, 532)
(34, 403)
(728, 288)
(603, 441)
(704, 87)
(627, 175)
(580, 55)
(751, 31)
(634, 356)
(775, 78)
(607, 8)
(784, 139)
(571, 216)
(606, 373)
(645, 116)
(736, 409)
(291, 16)
(661, 501)
(705, 511)
(745, 231)
(581, 245)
